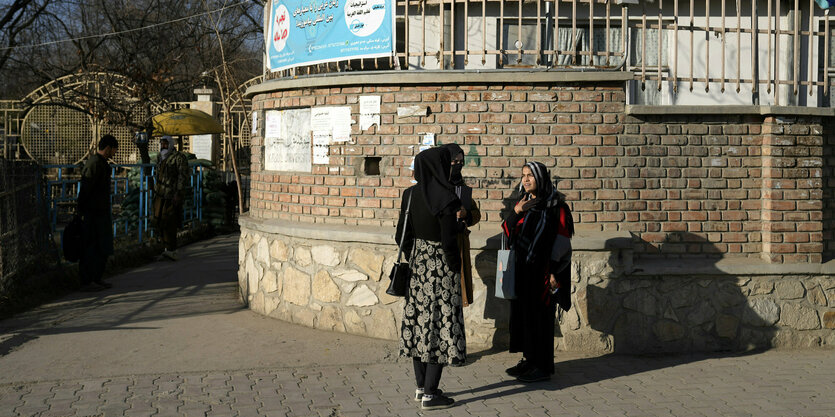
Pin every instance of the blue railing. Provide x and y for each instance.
(131, 194)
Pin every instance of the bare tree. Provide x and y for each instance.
(15, 18)
(229, 84)
(163, 46)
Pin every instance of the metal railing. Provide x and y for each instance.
(773, 50)
(129, 192)
(24, 235)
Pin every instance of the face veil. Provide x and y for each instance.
(432, 169)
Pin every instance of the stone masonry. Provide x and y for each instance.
(339, 285)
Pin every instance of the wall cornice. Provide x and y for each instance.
(638, 110)
(584, 241)
(382, 78)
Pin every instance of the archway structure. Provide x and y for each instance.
(63, 118)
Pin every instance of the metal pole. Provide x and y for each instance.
(811, 45)
(519, 45)
(466, 33)
(777, 56)
(724, 41)
(675, 47)
(796, 35)
(660, 31)
(441, 44)
(574, 32)
(755, 35)
(538, 32)
(406, 33)
(826, 52)
(707, 46)
(692, 52)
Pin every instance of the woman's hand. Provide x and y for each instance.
(462, 214)
(523, 205)
(553, 282)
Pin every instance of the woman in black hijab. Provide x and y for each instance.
(539, 229)
(468, 215)
(432, 332)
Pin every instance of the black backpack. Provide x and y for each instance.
(71, 240)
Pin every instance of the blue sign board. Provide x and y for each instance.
(306, 32)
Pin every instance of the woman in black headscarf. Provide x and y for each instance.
(432, 333)
(539, 229)
(468, 215)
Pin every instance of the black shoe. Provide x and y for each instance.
(520, 368)
(437, 402)
(104, 284)
(534, 375)
(90, 287)
(419, 393)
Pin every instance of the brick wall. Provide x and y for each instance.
(695, 184)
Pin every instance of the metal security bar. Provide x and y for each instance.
(131, 197)
(24, 231)
(790, 55)
(522, 29)
(772, 51)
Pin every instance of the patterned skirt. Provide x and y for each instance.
(433, 318)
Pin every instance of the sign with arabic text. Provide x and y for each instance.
(306, 32)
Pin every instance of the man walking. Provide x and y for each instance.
(171, 185)
(95, 210)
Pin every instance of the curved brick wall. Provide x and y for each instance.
(740, 185)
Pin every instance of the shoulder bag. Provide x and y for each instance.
(506, 272)
(71, 239)
(401, 272)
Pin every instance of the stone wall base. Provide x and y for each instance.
(335, 280)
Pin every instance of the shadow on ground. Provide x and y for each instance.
(202, 282)
(587, 371)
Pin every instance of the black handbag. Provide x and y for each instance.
(401, 272)
(71, 239)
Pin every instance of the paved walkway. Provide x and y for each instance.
(171, 339)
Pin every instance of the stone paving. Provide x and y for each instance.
(200, 355)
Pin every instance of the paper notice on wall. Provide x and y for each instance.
(201, 146)
(272, 123)
(320, 124)
(254, 123)
(341, 117)
(369, 111)
(287, 140)
(428, 139)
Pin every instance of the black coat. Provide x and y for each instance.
(424, 225)
(533, 312)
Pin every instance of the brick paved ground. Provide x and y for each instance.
(170, 340)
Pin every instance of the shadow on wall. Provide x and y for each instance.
(674, 305)
(666, 305)
(828, 198)
(677, 302)
(495, 309)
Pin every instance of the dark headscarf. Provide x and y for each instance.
(455, 177)
(546, 193)
(539, 219)
(432, 168)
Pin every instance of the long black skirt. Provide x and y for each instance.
(433, 317)
(532, 320)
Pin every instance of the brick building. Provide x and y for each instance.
(700, 226)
